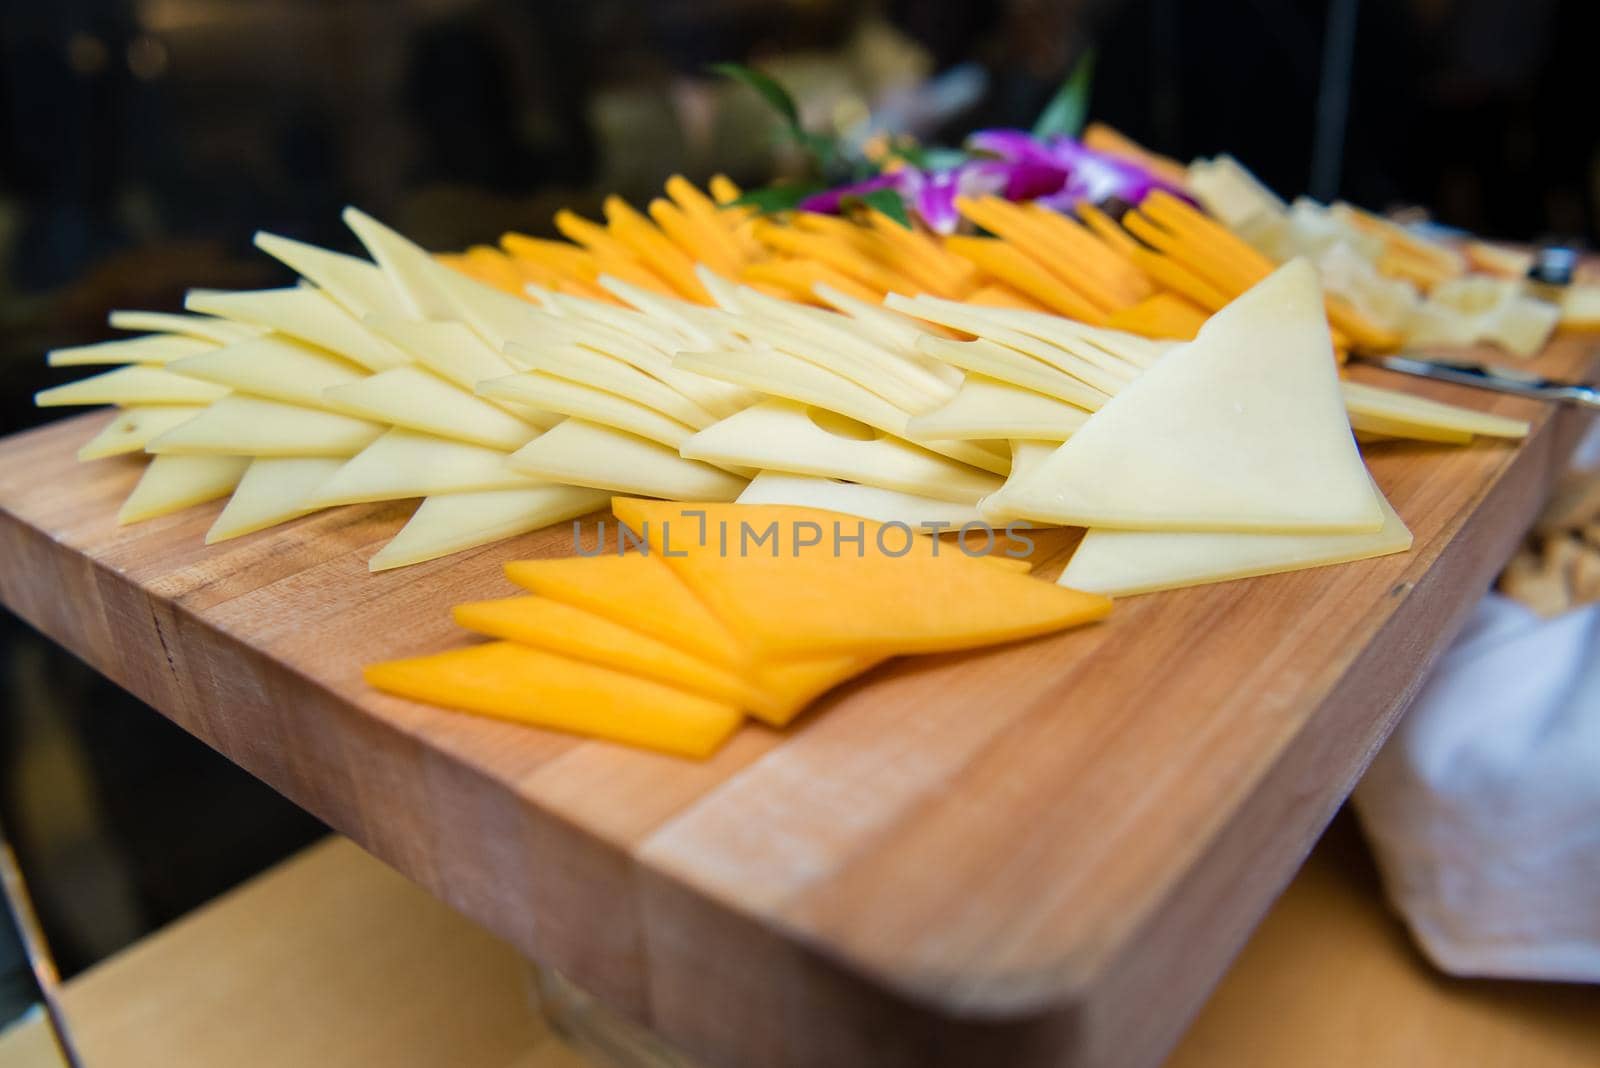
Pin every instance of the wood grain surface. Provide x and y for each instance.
(1043, 854)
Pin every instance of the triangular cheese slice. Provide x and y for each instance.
(987, 408)
(404, 464)
(273, 367)
(1019, 369)
(133, 428)
(496, 316)
(781, 435)
(202, 327)
(581, 453)
(1121, 563)
(599, 371)
(272, 491)
(250, 426)
(870, 502)
(903, 592)
(1241, 429)
(173, 483)
(449, 349)
(452, 522)
(159, 349)
(514, 682)
(848, 355)
(581, 401)
(1420, 412)
(362, 288)
(306, 314)
(408, 265)
(130, 386)
(1056, 329)
(420, 400)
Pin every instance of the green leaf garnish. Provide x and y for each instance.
(1068, 110)
(888, 201)
(775, 198)
(768, 87)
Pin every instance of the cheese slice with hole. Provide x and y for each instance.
(172, 483)
(411, 270)
(1406, 408)
(1121, 563)
(1008, 365)
(157, 349)
(275, 368)
(272, 491)
(850, 498)
(580, 453)
(779, 435)
(587, 403)
(1242, 429)
(201, 327)
(360, 287)
(251, 426)
(133, 385)
(420, 400)
(1025, 457)
(599, 371)
(535, 687)
(133, 428)
(404, 464)
(988, 408)
(452, 522)
(307, 315)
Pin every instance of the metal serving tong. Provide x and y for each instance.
(1498, 379)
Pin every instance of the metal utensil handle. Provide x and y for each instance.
(1484, 377)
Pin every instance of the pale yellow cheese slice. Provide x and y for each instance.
(306, 314)
(411, 270)
(1008, 365)
(361, 287)
(1406, 408)
(274, 367)
(869, 502)
(599, 371)
(663, 322)
(496, 316)
(420, 400)
(886, 326)
(404, 464)
(580, 453)
(133, 428)
(455, 353)
(585, 402)
(1371, 428)
(988, 408)
(452, 522)
(1242, 429)
(252, 426)
(203, 327)
(1121, 563)
(172, 483)
(133, 385)
(1026, 456)
(273, 490)
(780, 435)
(1056, 329)
(157, 349)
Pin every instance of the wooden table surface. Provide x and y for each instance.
(1044, 854)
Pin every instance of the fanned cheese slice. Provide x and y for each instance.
(250, 426)
(451, 522)
(453, 352)
(202, 327)
(1055, 329)
(780, 435)
(133, 385)
(869, 502)
(1395, 407)
(497, 317)
(307, 315)
(273, 367)
(404, 464)
(988, 408)
(1120, 563)
(886, 326)
(410, 269)
(1242, 429)
(173, 483)
(272, 491)
(420, 400)
(1008, 365)
(514, 682)
(362, 288)
(588, 403)
(580, 453)
(599, 371)
(133, 428)
(847, 355)
(158, 349)
(910, 593)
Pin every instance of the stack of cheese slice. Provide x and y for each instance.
(729, 610)
(1231, 456)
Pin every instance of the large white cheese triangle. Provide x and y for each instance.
(131, 385)
(134, 428)
(252, 426)
(456, 521)
(411, 271)
(173, 483)
(581, 453)
(420, 400)
(362, 288)
(404, 464)
(203, 327)
(306, 314)
(273, 367)
(272, 491)
(851, 498)
(987, 408)
(1242, 429)
(780, 435)
(1121, 563)
(158, 349)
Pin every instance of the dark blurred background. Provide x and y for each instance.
(141, 144)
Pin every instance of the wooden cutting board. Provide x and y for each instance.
(1043, 854)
